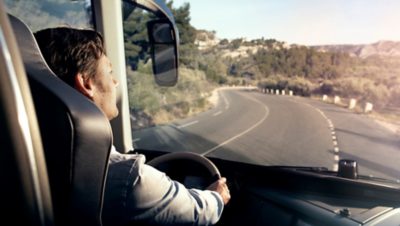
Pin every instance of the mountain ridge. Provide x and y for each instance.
(384, 48)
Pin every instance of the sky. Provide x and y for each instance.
(306, 22)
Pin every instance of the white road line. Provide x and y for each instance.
(227, 104)
(187, 124)
(334, 137)
(336, 157)
(336, 149)
(244, 132)
(136, 140)
(217, 113)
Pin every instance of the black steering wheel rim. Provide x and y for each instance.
(205, 162)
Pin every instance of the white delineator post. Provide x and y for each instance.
(352, 103)
(277, 91)
(283, 92)
(324, 98)
(336, 100)
(368, 107)
(290, 93)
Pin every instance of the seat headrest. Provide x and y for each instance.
(76, 137)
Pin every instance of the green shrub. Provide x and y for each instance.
(298, 85)
(363, 89)
(301, 86)
(326, 88)
(166, 104)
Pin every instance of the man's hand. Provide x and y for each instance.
(221, 187)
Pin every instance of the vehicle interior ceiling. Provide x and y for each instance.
(82, 152)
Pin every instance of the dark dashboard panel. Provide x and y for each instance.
(263, 206)
(264, 195)
(287, 196)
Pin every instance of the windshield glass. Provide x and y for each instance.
(297, 83)
(41, 14)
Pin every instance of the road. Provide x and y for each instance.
(253, 127)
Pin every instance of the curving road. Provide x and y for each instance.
(265, 129)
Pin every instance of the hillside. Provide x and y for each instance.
(367, 72)
(240, 47)
(206, 40)
(381, 48)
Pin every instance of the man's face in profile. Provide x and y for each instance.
(104, 94)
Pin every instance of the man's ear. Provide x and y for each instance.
(84, 86)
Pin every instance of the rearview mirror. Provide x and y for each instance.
(163, 37)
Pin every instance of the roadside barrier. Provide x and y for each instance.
(368, 107)
(276, 91)
(352, 103)
(336, 100)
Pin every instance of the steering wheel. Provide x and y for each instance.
(191, 158)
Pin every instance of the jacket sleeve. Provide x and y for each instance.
(155, 198)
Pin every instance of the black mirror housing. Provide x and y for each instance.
(164, 39)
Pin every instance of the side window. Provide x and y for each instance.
(40, 14)
(153, 107)
(143, 97)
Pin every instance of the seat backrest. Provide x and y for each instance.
(76, 137)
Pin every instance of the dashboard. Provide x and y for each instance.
(268, 195)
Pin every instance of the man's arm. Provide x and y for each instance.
(155, 198)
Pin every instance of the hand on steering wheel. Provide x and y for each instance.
(219, 184)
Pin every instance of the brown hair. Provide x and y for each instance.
(69, 51)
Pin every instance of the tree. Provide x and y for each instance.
(135, 38)
(188, 52)
(235, 44)
(224, 42)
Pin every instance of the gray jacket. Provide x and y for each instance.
(136, 192)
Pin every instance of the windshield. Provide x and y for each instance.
(294, 83)
(41, 14)
(291, 83)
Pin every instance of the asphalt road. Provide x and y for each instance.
(253, 127)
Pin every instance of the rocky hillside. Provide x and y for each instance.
(207, 39)
(241, 47)
(381, 48)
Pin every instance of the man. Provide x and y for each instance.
(135, 192)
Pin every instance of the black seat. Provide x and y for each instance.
(76, 137)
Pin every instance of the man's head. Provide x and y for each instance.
(78, 58)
